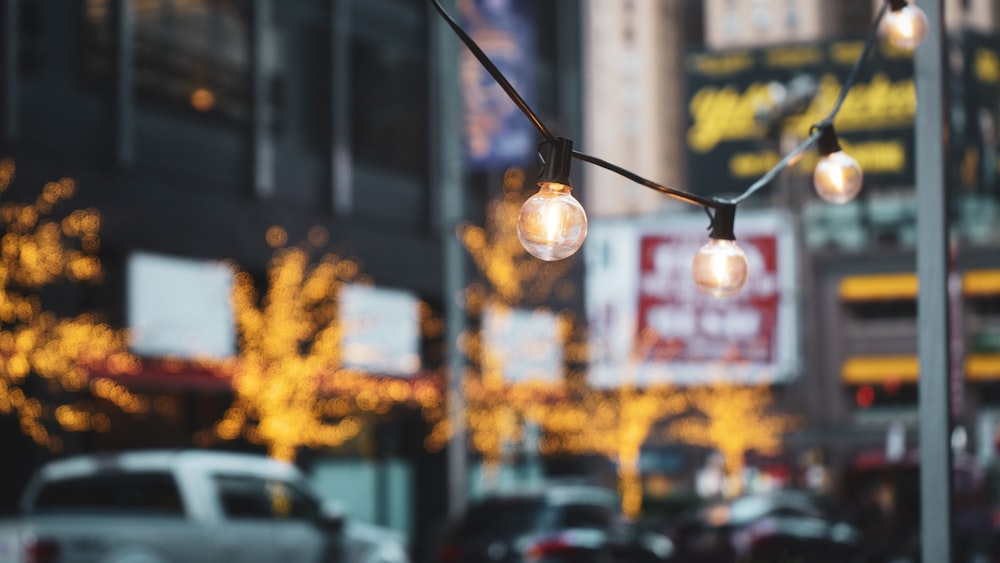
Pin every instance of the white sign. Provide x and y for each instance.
(525, 345)
(381, 330)
(179, 307)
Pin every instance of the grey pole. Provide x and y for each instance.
(932, 302)
(451, 211)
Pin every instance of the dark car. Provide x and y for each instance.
(773, 527)
(554, 524)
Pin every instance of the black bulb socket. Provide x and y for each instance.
(723, 221)
(827, 142)
(556, 162)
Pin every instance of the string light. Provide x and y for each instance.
(905, 26)
(720, 268)
(837, 176)
(553, 226)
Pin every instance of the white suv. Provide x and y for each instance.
(184, 506)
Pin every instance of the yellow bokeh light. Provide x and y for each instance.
(37, 251)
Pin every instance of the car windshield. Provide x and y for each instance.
(503, 517)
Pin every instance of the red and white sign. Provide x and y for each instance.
(649, 323)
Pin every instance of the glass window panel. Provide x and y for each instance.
(190, 54)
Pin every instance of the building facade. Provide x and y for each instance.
(208, 132)
(769, 66)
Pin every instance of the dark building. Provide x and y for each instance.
(194, 127)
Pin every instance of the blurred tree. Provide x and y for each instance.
(614, 423)
(733, 419)
(291, 388)
(37, 345)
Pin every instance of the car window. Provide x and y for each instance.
(503, 517)
(117, 492)
(251, 497)
(587, 516)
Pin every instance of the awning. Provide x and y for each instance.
(873, 370)
(903, 286)
(867, 370)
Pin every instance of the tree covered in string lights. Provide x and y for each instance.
(48, 362)
(734, 420)
(614, 423)
(291, 387)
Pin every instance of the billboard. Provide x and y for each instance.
(650, 324)
(496, 135)
(741, 102)
(977, 134)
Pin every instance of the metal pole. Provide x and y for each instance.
(932, 302)
(451, 211)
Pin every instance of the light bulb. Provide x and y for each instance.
(906, 27)
(837, 177)
(552, 223)
(720, 268)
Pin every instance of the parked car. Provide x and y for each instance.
(553, 524)
(183, 507)
(779, 526)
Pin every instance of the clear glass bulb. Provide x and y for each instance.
(552, 223)
(905, 28)
(720, 268)
(837, 177)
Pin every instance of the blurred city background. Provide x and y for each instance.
(289, 228)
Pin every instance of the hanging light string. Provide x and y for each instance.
(817, 130)
(498, 76)
(552, 224)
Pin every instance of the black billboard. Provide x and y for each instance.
(740, 103)
(976, 125)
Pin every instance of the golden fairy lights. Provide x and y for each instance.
(37, 251)
(290, 387)
(733, 420)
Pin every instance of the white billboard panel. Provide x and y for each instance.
(179, 307)
(381, 330)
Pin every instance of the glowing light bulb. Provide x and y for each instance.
(552, 223)
(906, 27)
(720, 268)
(837, 177)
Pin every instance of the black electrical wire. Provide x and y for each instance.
(498, 76)
(713, 203)
(817, 129)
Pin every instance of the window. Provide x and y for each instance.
(587, 516)
(133, 493)
(389, 91)
(188, 53)
(250, 497)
